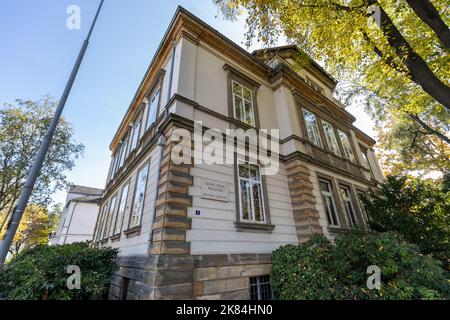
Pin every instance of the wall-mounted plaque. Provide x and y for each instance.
(214, 190)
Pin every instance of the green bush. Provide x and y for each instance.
(40, 273)
(321, 270)
(417, 209)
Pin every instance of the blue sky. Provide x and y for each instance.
(38, 52)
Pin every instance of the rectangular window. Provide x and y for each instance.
(365, 160)
(361, 196)
(328, 201)
(348, 152)
(260, 288)
(243, 104)
(114, 166)
(101, 225)
(118, 221)
(123, 151)
(250, 193)
(331, 138)
(152, 110)
(109, 217)
(136, 134)
(312, 128)
(139, 195)
(348, 204)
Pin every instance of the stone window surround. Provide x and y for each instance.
(155, 87)
(135, 231)
(251, 226)
(332, 194)
(116, 236)
(351, 192)
(237, 76)
(317, 124)
(343, 223)
(303, 104)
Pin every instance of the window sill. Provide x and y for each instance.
(115, 238)
(133, 232)
(102, 242)
(253, 227)
(336, 229)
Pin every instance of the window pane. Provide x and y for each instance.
(247, 94)
(331, 138)
(138, 204)
(120, 213)
(153, 108)
(245, 199)
(257, 202)
(324, 186)
(254, 172)
(238, 107)
(237, 89)
(109, 217)
(311, 127)
(244, 171)
(348, 152)
(249, 115)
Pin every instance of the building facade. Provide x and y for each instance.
(79, 216)
(206, 231)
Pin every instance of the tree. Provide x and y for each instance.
(34, 229)
(419, 210)
(22, 128)
(391, 55)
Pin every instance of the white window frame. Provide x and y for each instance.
(136, 135)
(155, 98)
(346, 146)
(313, 131)
(109, 216)
(348, 201)
(332, 142)
(243, 99)
(139, 214)
(120, 214)
(262, 203)
(330, 195)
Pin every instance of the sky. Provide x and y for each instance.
(38, 51)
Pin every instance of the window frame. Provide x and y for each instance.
(264, 214)
(304, 112)
(338, 151)
(244, 100)
(245, 81)
(260, 281)
(109, 215)
(115, 230)
(331, 195)
(349, 200)
(133, 201)
(138, 122)
(351, 158)
(157, 93)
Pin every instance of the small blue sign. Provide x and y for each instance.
(197, 212)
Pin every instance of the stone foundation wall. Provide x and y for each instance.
(178, 277)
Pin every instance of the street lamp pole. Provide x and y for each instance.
(13, 224)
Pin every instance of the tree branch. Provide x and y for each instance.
(425, 10)
(420, 71)
(428, 129)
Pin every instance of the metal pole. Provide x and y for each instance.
(13, 224)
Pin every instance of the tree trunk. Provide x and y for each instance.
(425, 10)
(420, 72)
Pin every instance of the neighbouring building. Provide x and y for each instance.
(198, 231)
(79, 215)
